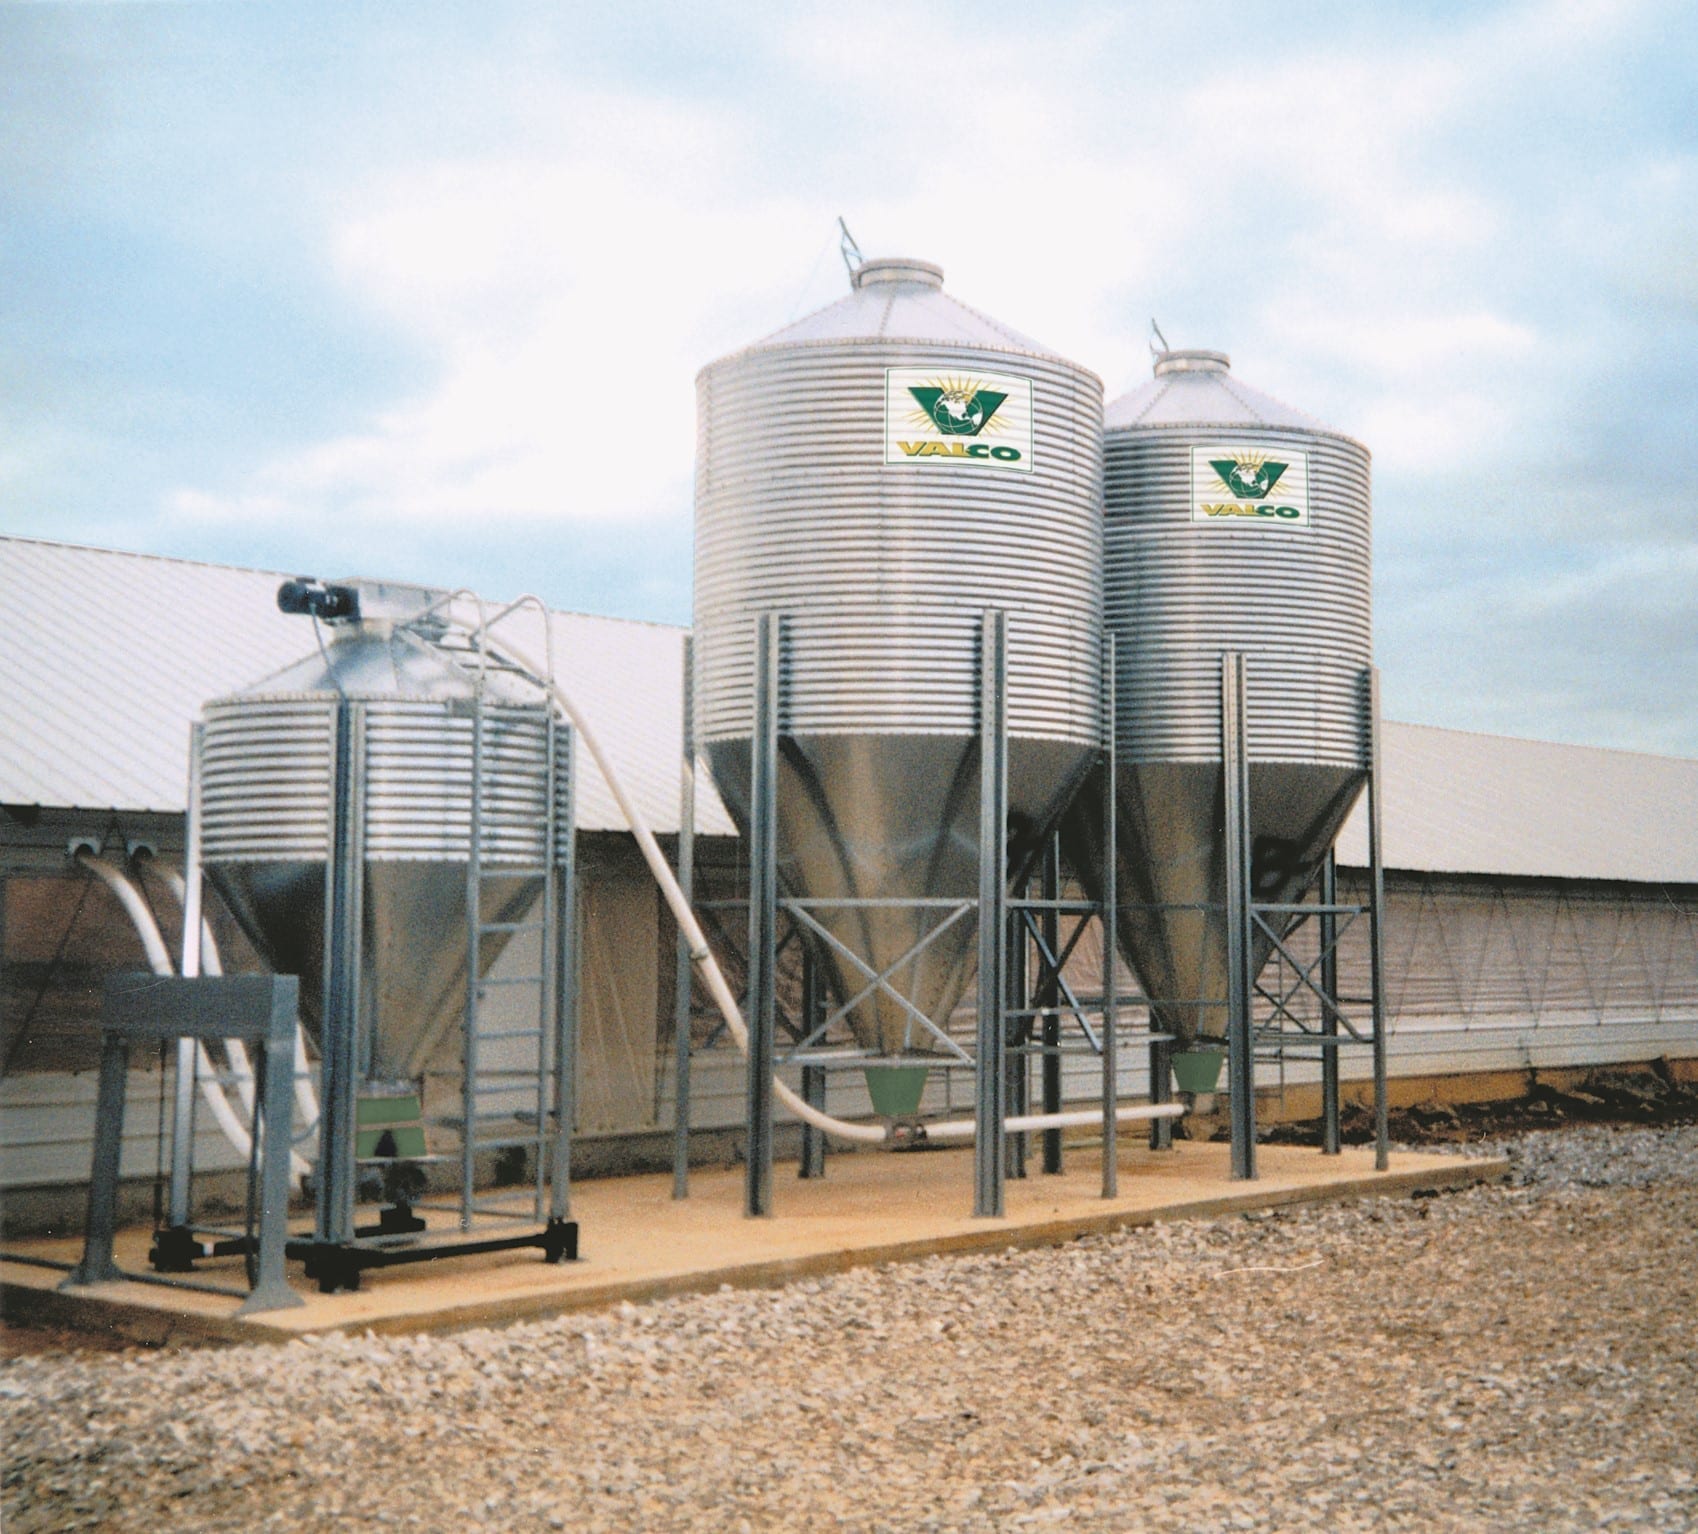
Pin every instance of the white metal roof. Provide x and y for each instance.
(106, 659)
(892, 308)
(1457, 802)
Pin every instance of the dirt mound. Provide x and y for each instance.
(1648, 1095)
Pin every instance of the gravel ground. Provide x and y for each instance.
(1509, 1357)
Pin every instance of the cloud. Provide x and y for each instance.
(1589, 643)
(563, 295)
(1463, 235)
(560, 296)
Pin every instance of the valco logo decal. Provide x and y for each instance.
(937, 417)
(1230, 484)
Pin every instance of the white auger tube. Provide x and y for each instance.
(306, 1103)
(702, 956)
(159, 960)
(1077, 1118)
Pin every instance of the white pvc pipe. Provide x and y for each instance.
(1080, 1118)
(147, 929)
(159, 960)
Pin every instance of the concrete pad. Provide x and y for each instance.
(638, 1243)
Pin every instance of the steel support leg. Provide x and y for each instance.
(470, 1024)
(813, 1076)
(340, 1035)
(1017, 1063)
(566, 997)
(1110, 909)
(1161, 1091)
(1376, 933)
(1049, 923)
(273, 1120)
(684, 974)
(150, 1009)
(1329, 1006)
(763, 916)
(188, 1050)
(989, 1083)
(101, 1227)
(1241, 1055)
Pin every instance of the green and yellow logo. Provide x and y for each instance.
(1245, 482)
(958, 408)
(937, 417)
(1252, 475)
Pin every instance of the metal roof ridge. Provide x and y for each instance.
(168, 559)
(209, 564)
(1536, 740)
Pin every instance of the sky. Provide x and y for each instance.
(420, 290)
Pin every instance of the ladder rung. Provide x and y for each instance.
(510, 1033)
(510, 926)
(512, 980)
(504, 1144)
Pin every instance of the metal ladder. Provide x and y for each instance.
(505, 1103)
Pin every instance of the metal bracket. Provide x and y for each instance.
(148, 1009)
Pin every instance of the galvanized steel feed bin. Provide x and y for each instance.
(1233, 523)
(274, 772)
(879, 475)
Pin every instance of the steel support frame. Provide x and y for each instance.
(474, 990)
(1160, 1045)
(149, 1009)
(683, 966)
(333, 1220)
(812, 1164)
(993, 1063)
(1108, 917)
(1049, 996)
(1235, 792)
(1244, 914)
(803, 922)
(562, 891)
(990, 1085)
(1018, 1089)
(1376, 938)
(1330, 1144)
(762, 1007)
(188, 1050)
(1037, 921)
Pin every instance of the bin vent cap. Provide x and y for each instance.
(898, 269)
(1192, 362)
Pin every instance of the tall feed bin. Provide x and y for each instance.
(878, 475)
(1233, 523)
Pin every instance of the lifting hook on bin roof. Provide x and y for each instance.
(849, 250)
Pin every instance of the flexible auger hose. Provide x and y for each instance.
(702, 956)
